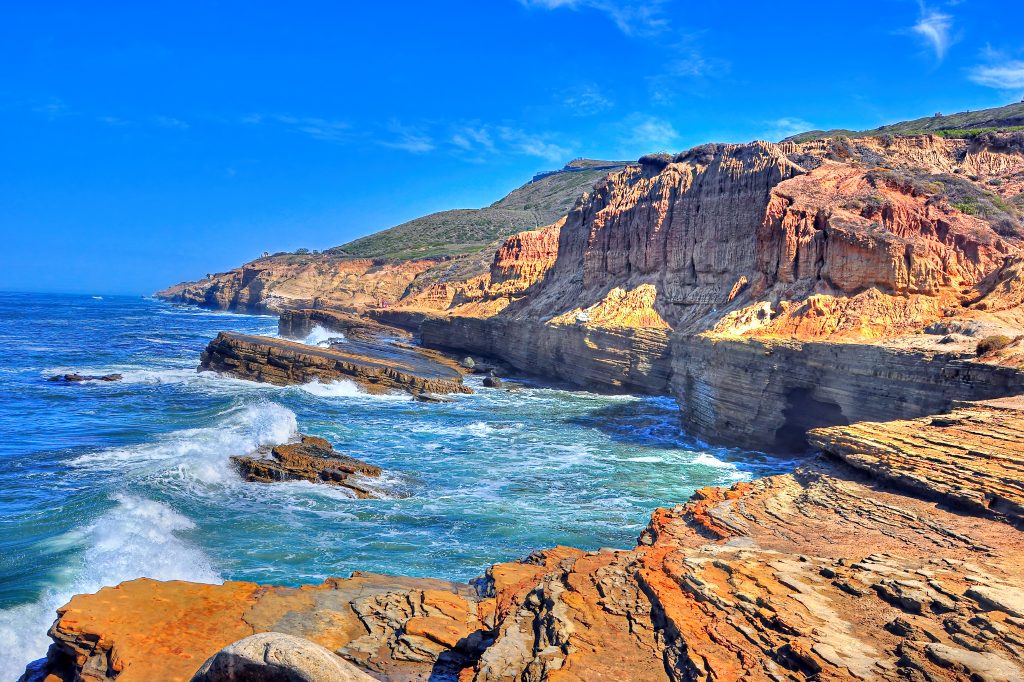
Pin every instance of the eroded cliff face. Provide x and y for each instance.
(290, 281)
(742, 277)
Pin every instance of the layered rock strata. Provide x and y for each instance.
(828, 573)
(297, 324)
(311, 459)
(281, 362)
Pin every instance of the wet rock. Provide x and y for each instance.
(431, 398)
(377, 368)
(311, 459)
(491, 381)
(277, 657)
(75, 378)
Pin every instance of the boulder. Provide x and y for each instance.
(491, 381)
(277, 657)
(311, 459)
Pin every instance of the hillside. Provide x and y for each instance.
(448, 233)
(963, 124)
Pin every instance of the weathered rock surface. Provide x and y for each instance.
(828, 573)
(973, 456)
(276, 657)
(297, 324)
(375, 368)
(311, 459)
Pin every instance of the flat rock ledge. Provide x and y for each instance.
(280, 362)
(311, 459)
(832, 572)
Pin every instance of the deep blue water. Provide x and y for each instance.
(104, 482)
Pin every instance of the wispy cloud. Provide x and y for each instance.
(318, 128)
(113, 121)
(649, 134)
(408, 139)
(784, 127)
(632, 17)
(935, 29)
(170, 122)
(685, 69)
(53, 109)
(586, 100)
(1000, 71)
(530, 144)
(471, 138)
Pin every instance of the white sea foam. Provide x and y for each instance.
(202, 454)
(709, 460)
(137, 538)
(345, 388)
(319, 336)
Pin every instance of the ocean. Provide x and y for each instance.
(104, 482)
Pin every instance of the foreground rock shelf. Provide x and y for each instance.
(829, 573)
(378, 368)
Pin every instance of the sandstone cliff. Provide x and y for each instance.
(771, 288)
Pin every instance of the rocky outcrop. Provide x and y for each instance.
(375, 369)
(289, 281)
(832, 572)
(972, 456)
(297, 324)
(311, 459)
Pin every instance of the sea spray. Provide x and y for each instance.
(136, 538)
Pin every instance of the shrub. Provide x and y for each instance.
(657, 161)
(990, 344)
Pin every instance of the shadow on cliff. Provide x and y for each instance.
(653, 422)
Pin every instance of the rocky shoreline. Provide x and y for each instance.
(834, 571)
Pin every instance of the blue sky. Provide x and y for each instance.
(145, 143)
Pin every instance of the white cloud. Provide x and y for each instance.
(473, 138)
(113, 121)
(169, 122)
(783, 127)
(586, 100)
(1007, 75)
(530, 144)
(315, 127)
(650, 134)
(409, 139)
(632, 17)
(935, 28)
(53, 109)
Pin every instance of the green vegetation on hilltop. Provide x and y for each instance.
(964, 124)
(468, 230)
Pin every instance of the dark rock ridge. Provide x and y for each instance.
(276, 361)
(311, 459)
(832, 572)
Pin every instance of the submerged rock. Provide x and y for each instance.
(431, 398)
(75, 378)
(311, 459)
(277, 657)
